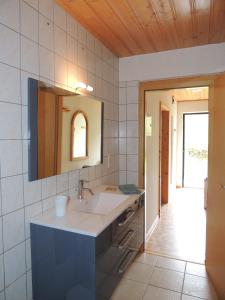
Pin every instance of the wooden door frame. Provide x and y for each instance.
(164, 84)
(163, 108)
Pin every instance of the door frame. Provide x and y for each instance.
(164, 84)
(183, 144)
(163, 108)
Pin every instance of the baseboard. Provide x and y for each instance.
(152, 228)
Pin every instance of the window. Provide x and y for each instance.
(79, 136)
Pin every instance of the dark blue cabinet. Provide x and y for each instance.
(70, 266)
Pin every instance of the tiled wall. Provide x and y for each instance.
(128, 132)
(39, 40)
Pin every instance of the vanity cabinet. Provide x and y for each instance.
(69, 266)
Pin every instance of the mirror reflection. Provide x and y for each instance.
(79, 136)
(65, 130)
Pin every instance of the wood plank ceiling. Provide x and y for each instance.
(131, 27)
(191, 94)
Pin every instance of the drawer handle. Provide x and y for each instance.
(126, 238)
(130, 255)
(129, 216)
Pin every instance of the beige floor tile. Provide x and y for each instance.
(181, 230)
(172, 264)
(186, 297)
(155, 293)
(129, 290)
(198, 287)
(167, 279)
(196, 269)
(148, 259)
(139, 272)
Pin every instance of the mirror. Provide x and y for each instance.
(66, 130)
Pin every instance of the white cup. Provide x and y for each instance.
(60, 205)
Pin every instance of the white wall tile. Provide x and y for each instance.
(60, 41)
(122, 177)
(90, 42)
(60, 70)
(29, 286)
(10, 157)
(62, 182)
(28, 254)
(46, 35)
(48, 187)
(12, 193)
(13, 229)
(122, 146)
(1, 237)
(46, 7)
(48, 203)
(25, 131)
(72, 74)
(132, 178)
(132, 128)
(122, 96)
(122, 112)
(90, 61)
(132, 146)
(17, 290)
(132, 112)
(25, 155)
(2, 295)
(10, 47)
(132, 94)
(122, 162)
(81, 34)
(33, 3)
(132, 163)
(29, 21)
(29, 56)
(98, 67)
(32, 190)
(81, 55)
(31, 211)
(10, 120)
(10, 84)
(59, 17)
(10, 14)
(73, 179)
(71, 49)
(1, 273)
(122, 129)
(71, 26)
(24, 85)
(46, 63)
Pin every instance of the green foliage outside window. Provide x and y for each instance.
(199, 154)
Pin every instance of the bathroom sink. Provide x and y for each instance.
(101, 203)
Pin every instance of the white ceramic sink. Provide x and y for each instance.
(102, 203)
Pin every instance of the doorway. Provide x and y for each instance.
(195, 149)
(181, 123)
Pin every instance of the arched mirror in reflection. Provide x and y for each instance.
(79, 136)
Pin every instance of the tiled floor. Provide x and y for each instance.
(153, 277)
(181, 230)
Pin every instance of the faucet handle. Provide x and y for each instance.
(82, 181)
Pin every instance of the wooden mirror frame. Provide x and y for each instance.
(72, 136)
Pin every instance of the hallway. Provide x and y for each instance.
(181, 229)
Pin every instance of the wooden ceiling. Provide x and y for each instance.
(131, 27)
(191, 94)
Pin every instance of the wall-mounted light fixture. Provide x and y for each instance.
(83, 86)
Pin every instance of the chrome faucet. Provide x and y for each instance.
(81, 189)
